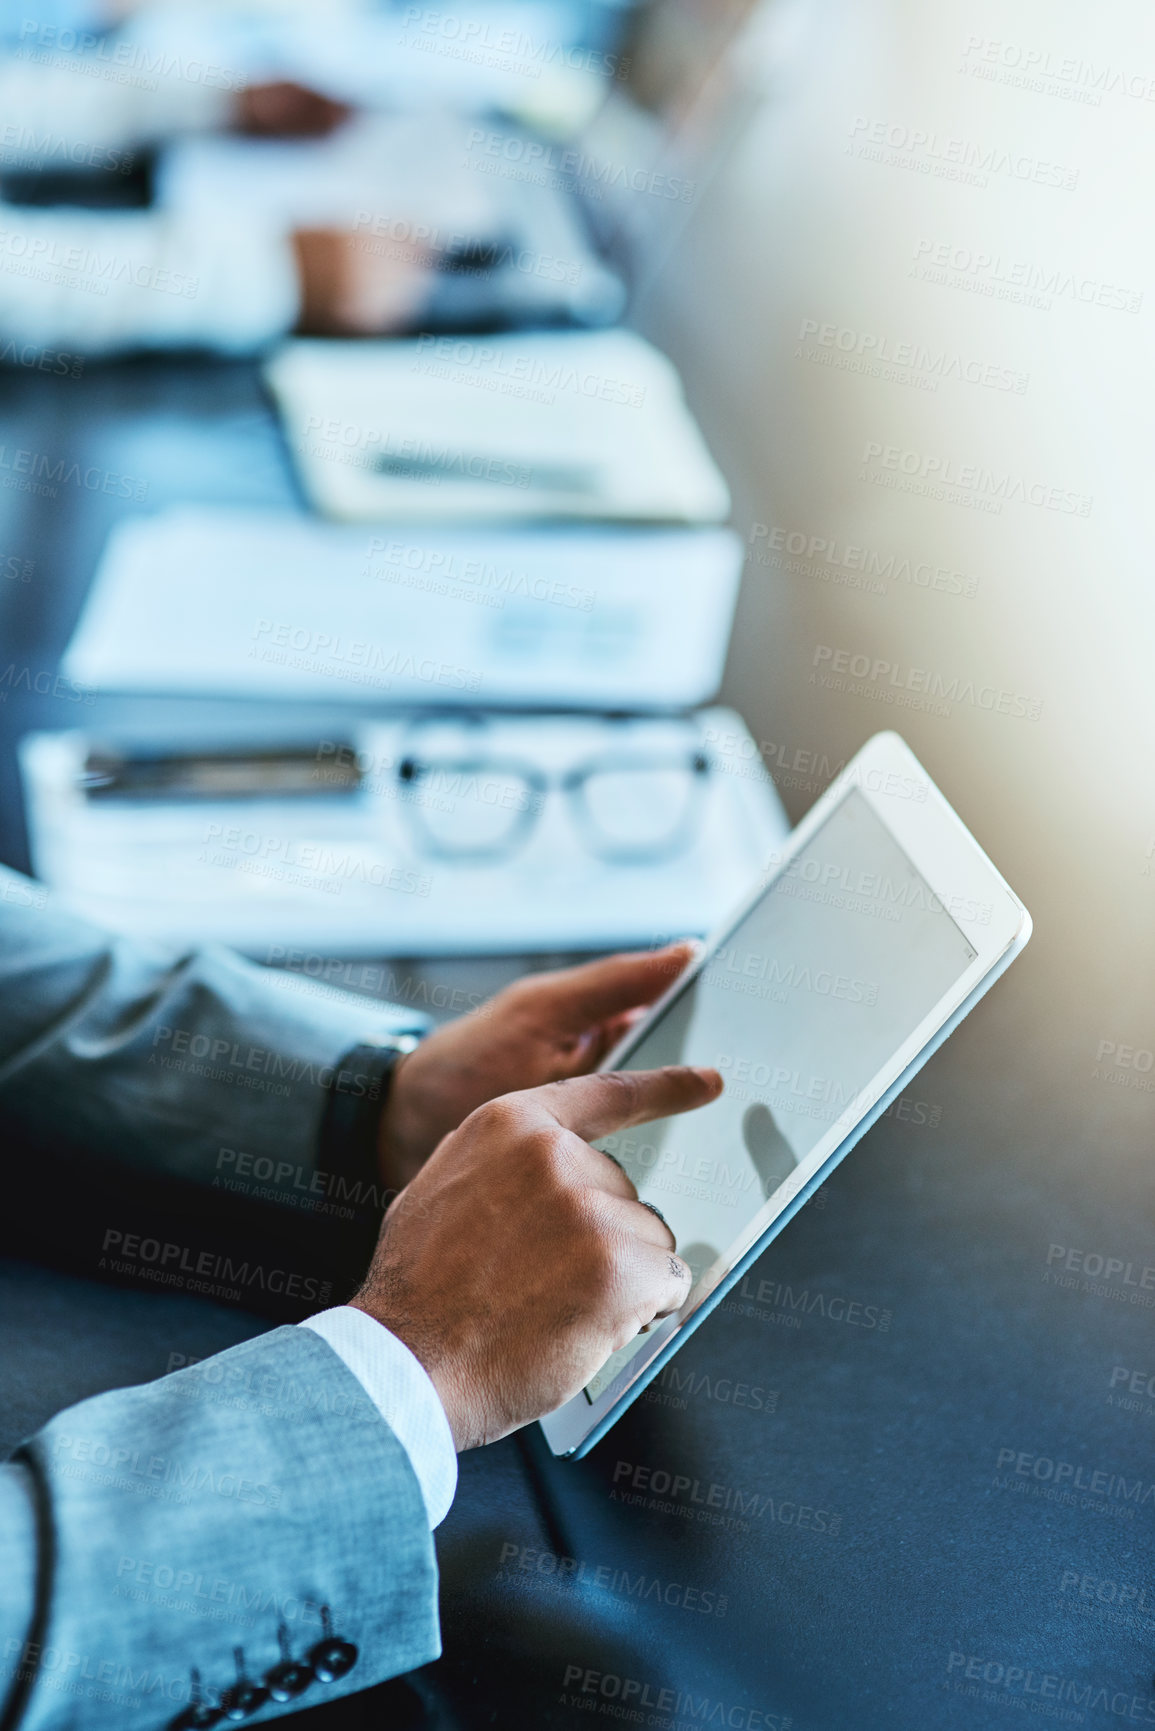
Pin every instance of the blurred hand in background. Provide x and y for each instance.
(351, 286)
(284, 109)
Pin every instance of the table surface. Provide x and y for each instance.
(903, 1479)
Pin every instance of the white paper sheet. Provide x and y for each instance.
(266, 604)
(410, 170)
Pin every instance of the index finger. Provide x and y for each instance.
(614, 1099)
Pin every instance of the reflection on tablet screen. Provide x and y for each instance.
(808, 998)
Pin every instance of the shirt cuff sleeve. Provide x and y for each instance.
(400, 1388)
(102, 282)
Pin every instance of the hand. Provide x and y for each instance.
(520, 1258)
(354, 286)
(286, 110)
(542, 1029)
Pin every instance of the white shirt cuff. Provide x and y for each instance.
(400, 1388)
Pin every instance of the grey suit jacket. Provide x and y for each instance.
(155, 1538)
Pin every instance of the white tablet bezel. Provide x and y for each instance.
(984, 907)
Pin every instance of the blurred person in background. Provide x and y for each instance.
(102, 282)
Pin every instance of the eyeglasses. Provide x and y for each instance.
(628, 807)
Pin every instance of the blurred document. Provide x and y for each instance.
(406, 167)
(572, 425)
(369, 869)
(264, 604)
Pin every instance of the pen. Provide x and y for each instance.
(286, 772)
(490, 469)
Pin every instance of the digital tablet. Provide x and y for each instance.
(872, 934)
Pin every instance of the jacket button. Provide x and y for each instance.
(331, 1658)
(244, 1697)
(199, 1715)
(289, 1680)
(292, 1676)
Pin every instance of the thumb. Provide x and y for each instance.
(577, 999)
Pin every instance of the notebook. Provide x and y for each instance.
(575, 424)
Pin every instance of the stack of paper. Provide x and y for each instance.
(571, 425)
(260, 604)
(350, 873)
(408, 170)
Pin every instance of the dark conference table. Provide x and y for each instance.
(903, 1479)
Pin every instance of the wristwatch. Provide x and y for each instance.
(348, 1142)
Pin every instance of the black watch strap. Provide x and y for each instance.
(348, 1143)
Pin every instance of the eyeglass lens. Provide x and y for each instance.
(479, 808)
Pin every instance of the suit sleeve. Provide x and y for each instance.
(66, 110)
(159, 1060)
(160, 1541)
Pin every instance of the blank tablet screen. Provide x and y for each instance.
(812, 994)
